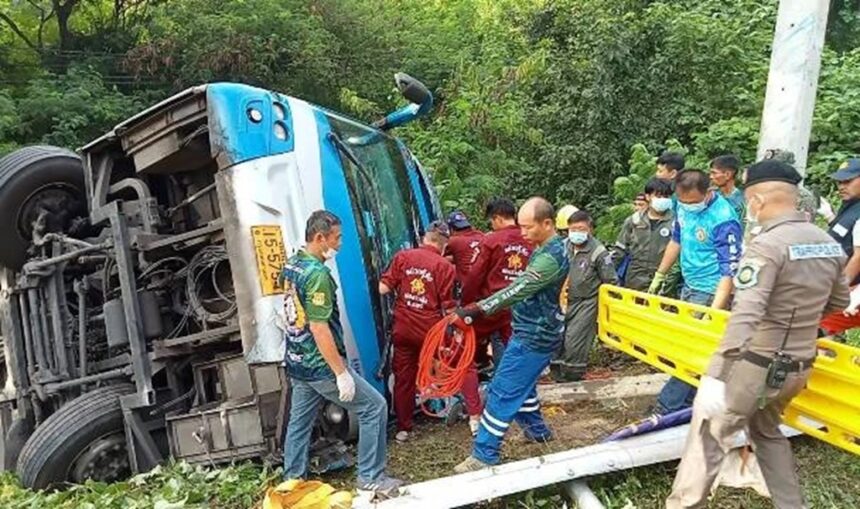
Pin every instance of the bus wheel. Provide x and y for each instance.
(82, 440)
(42, 189)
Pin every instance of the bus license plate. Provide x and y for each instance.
(269, 247)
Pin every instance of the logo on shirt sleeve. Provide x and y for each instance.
(747, 275)
(318, 299)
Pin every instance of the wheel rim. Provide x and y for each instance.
(105, 459)
(61, 203)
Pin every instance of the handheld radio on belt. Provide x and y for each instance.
(782, 363)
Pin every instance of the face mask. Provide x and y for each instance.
(577, 238)
(693, 208)
(329, 253)
(661, 204)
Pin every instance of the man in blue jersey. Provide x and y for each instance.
(707, 237)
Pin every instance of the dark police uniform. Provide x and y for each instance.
(843, 225)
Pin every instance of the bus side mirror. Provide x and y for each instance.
(420, 103)
(413, 90)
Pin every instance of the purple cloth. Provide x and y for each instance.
(653, 423)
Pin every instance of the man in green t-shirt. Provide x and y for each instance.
(315, 360)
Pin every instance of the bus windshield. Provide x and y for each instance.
(382, 187)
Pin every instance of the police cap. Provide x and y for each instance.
(849, 170)
(771, 170)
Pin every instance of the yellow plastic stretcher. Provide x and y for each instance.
(679, 338)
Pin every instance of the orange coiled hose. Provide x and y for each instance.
(446, 356)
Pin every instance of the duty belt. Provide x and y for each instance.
(764, 361)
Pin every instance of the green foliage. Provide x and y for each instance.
(173, 486)
(66, 110)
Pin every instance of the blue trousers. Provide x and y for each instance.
(305, 403)
(512, 395)
(677, 395)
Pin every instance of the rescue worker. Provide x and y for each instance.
(845, 227)
(561, 218)
(590, 266)
(789, 275)
(707, 237)
(502, 257)
(669, 164)
(723, 171)
(462, 244)
(645, 235)
(423, 283)
(316, 365)
(537, 333)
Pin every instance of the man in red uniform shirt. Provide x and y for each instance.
(423, 283)
(501, 257)
(463, 243)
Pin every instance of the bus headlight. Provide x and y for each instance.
(279, 111)
(280, 131)
(255, 115)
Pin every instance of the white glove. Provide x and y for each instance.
(825, 210)
(346, 386)
(711, 399)
(853, 303)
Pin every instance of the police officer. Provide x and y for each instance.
(463, 243)
(423, 283)
(645, 235)
(590, 266)
(315, 359)
(790, 274)
(845, 228)
(537, 324)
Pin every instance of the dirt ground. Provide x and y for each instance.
(435, 448)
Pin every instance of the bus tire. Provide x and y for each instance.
(52, 455)
(33, 179)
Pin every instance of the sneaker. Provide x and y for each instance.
(402, 436)
(381, 489)
(540, 439)
(474, 422)
(470, 464)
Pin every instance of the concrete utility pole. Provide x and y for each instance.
(792, 81)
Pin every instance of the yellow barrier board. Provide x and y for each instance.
(679, 338)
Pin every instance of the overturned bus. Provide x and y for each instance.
(141, 310)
